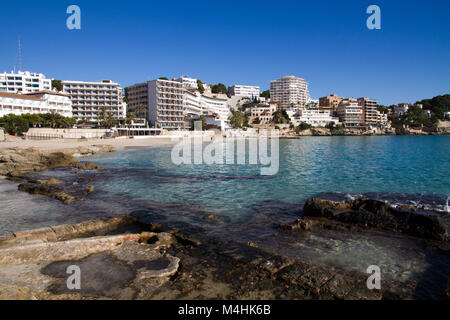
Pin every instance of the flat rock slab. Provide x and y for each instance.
(34, 264)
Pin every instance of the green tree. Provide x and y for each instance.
(106, 117)
(416, 117)
(266, 94)
(163, 78)
(33, 120)
(302, 127)
(141, 111)
(130, 117)
(383, 109)
(219, 88)
(280, 116)
(437, 105)
(15, 125)
(200, 86)
(57, 84)
(238, 119)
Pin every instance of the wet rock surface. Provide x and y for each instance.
(169, 264)
(378, 214)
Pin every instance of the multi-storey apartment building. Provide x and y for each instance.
(330, 102)
(89, 98)
(350, 113)
(188, 82)
(165, 104)
(369, 109)
(216, 107)
(23, 82)
(35, 103)
(244, 91)
(289, 91)
(212, 106)
(137, 99)
(192, 103)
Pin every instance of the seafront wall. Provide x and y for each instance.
(65, 133)
(186, 133)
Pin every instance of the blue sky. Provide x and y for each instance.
(239, 42)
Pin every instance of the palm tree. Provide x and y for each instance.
(102, 113)
(130, 117)
(141, 111)
(109, 121)
(50, 119)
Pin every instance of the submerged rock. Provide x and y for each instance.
(43, 189)
(50, 181)
(378, 214)
(88, 166)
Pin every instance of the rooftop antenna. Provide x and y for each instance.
(20, 55)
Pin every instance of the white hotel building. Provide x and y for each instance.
(172, 104)
(165, 104)
(244, 91)
(313, 117)
(23, 82)
(288, 91)
(35, 103)
(89, 97)
(196, 104)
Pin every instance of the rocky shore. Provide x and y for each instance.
(15, 162)
(123, 257)
(130, 256)
(374, 132)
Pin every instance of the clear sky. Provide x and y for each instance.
(239, 42)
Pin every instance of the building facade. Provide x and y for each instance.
(401, 109)
(289, 91)
(350, 113)
(210, 106)
(35, 103)
(264, 112)
(137, 99)
(165, 104)
(24, 82)
(188, 82)
(313, 117)
(330, 102)
(369, 110)
(382, 118)
(244, 91)
(89, 98)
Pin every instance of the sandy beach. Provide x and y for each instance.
(65, 144)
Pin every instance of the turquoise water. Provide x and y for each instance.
(399, 165)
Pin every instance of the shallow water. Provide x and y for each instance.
(402, 170)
